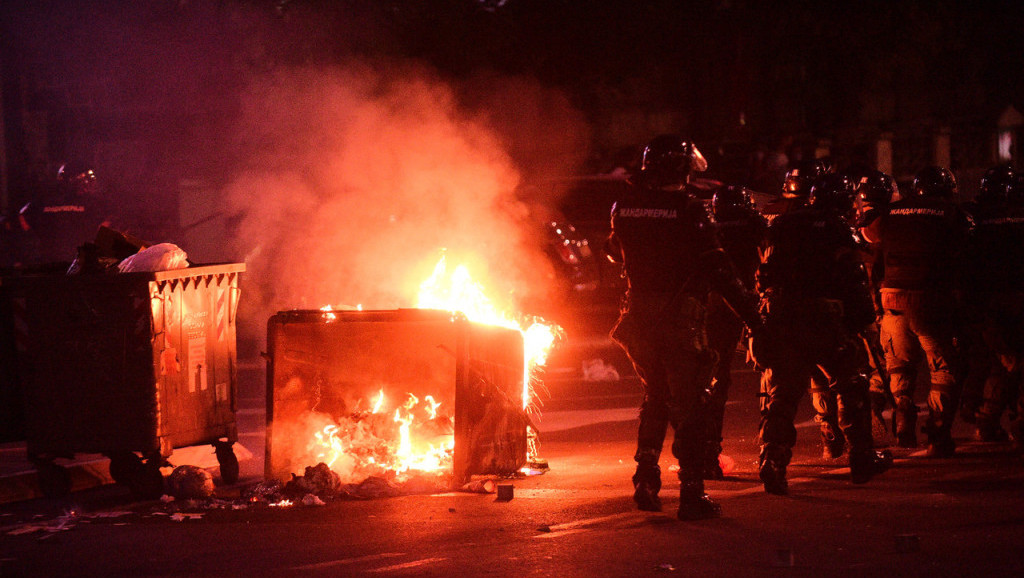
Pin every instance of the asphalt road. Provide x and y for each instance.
(962, 516)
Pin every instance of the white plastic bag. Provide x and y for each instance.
(160, 257)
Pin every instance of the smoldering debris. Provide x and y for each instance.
(319, 480)
(190, 482)
(317, 487)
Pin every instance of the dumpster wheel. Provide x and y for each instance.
(147, 482)
(54, 479)
(124, 466)
(228, 461)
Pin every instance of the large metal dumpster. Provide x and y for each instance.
(125, 365)
(329, 362)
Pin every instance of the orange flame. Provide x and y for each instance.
(369, 445)
(458, 292)
(416, 438)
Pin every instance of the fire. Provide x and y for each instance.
(458, 292)
(417, 435)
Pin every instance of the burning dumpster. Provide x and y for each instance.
(128, 364)
(341, 367)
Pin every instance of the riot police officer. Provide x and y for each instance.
(816, 300)
(71, 216)
(743, 233)
(672, 260)
(796, 188)
(921, 240)
(875, 191)
(796, 193)
(996, 300)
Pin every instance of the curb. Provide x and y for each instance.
(22, 485)
(19, 482)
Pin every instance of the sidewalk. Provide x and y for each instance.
(18, 475)
(18, 481)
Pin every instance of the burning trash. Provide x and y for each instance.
(407, 400)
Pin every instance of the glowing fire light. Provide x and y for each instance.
(372, 446)
(379, 403)
(458, 292)
(399, 440)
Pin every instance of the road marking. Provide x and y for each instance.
(563, 533)
(347, 561)
(561, 528)
(408, 565)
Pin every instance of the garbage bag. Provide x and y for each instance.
(160, 257)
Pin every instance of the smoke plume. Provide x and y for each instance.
(360, 178)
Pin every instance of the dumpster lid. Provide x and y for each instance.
(209, 269)
(129, 278)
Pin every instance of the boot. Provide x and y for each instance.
(772, 469)
(694, 504)
(879, 430)
(988, 430)
(940, 443)
(832, 441)
(941, 448)
(904, 422)
(940, 438)
(868, 464)
(646, 485)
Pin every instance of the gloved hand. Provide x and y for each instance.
(762, 345)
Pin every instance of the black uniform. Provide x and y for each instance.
(996, 294)
(824, 402)
(816, 299)
(921, 241)
(63, 222)
(743, 233)
(672, 260)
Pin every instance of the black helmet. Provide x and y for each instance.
(668, 161)
(76, 177)
(858, 171)
(835, 193)
(800, 178)
(876, 189)
(995, 184)
(935, 182)
(731, 197)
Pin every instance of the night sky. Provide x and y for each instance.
(722, 70)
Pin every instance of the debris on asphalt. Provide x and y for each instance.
(190, 482)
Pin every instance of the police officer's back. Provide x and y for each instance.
(70, 217)
(995, 300)
(742, 231)
(922, 239)
(672, 259)
(816, 298)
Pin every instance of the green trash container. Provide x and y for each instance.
(128, 365)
